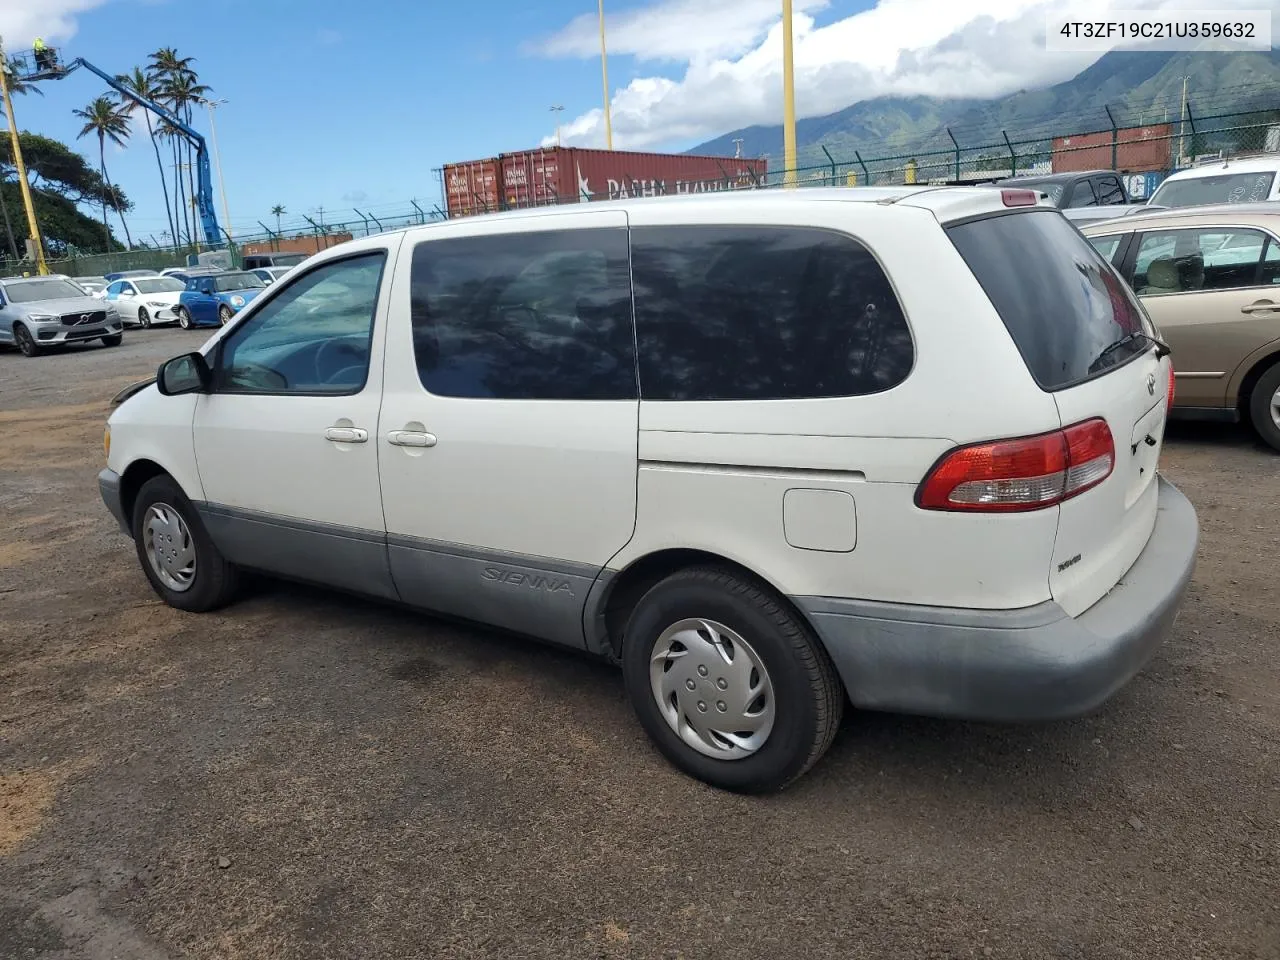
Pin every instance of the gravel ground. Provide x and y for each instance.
(306, 776)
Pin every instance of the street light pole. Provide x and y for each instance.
(217, 158)
(604, 72)
(788, 100)
(557, 110)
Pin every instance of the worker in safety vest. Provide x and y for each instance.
(44, 54)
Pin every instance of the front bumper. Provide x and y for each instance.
(109, 487)
(49, 333)
(1036, 663)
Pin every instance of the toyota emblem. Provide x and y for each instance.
(1151, 384)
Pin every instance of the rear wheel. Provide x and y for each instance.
(176, 552)
(113, 339)
(729, 682)
(144, 318)
(224, 315)
(1264, 406)
(184, 318)
(25, 341)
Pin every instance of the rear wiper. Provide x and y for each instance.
(1162, 348)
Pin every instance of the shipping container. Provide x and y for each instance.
(1142, 185)
(1137, 150)
(542, 177)
(307, 243)
(472, 187)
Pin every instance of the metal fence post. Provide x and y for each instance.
(865, 172)
(833, 162)
(957, 146)
(1115, 139)
(1013, 156)
(422, 217)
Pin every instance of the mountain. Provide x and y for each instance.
(1139, 87)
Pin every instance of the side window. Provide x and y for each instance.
(313, 337)
(1270, 272)
(763, 313)
(128, 289)
(113, 288)
(525, 316)
(1108, 190)
(1181, 261)
(1107, 246)
(1082, 195)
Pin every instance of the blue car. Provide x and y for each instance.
(213, 300)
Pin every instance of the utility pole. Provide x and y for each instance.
(788, 100)
(557, 109)
(211, 105)
(737, 148)
(604, 72)
(42, 268)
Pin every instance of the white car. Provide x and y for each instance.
(146, 300)
(270, 275)
(1242, 180)
(772, 452)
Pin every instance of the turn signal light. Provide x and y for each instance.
(1028, 473)
(1018, 198)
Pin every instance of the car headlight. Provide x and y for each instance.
(157, 303)
(237, 302)
(43, 317)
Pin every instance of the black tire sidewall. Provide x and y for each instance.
(25, 341)
(224, 316)
(144, 318)
(1260, 407)
(786, 753)
(204, 594)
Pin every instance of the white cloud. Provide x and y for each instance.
(21, 21)
(941, 48)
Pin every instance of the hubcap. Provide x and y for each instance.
(169, 548)
(1275, 408)
(712, 689)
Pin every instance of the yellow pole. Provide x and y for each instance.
(42, 268)
(788, 100)
(604, 72)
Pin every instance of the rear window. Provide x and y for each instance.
(1066, 310)
(1221, 188)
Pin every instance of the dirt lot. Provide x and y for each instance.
(305, 776)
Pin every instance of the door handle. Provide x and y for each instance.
(346, 435)
(1260, 306)
(411, 438)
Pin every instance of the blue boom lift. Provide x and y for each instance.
(31, 67)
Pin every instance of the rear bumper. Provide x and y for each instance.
(109, 487)
(1036, 663)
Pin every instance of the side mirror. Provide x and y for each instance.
(188, 373)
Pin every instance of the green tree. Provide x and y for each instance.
(105, 119)
(179, 89)
(140, 83)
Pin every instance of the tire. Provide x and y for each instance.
(799, 680)
(25, 341)
(213, 580)
(144, 318)
(184, 318)
(1264, 407)
(113, 339)
(224, 315)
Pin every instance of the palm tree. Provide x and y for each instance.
(178, 88)
(104, 118)
(181, 91)
(277, 211)
(145, 87)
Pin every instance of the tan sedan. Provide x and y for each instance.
(1210, 279)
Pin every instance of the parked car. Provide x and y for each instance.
(1088, 188)
(252, 261)
(1244, 180)
(187, 274)
(1082, 215)
(92, 285)
(1210, 279)
(270, 275)
(146, 300)
(736, 442)
(214, 299)
(41, 312)
(122, 274)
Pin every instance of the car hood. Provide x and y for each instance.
(67, 305)
(170, 297)
(248, 293)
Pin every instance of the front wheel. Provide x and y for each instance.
(144, 318)
(729, 682)
(184, 318)
(113, 339)
(224, 315)
(179, 558)
(25, 341)
(1264, 407)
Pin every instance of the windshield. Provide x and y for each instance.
(1220, 188)
(159, 285)
(236, 281)
(1069, 314)
(32, 291)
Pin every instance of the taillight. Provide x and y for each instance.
(1028, 473)
(1172, 386)
(1019, 198)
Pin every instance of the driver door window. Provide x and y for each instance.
(313, 337)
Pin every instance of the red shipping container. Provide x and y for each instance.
(472, 187)
(1138, 149)
(573, 175)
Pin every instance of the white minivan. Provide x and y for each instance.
(770, 451)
